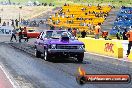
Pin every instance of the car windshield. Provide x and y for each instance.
(31, 30)
(58, 34)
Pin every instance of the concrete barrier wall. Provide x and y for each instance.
(130, 56)
(103, 47)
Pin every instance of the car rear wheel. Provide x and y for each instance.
(37, 53)
(80, 57)
(46, 55)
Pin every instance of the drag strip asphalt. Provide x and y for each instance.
(31, 72)
(4, 79)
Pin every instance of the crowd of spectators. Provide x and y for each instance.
(29, 3)
(123, 21)
(32, 23)
(76, 32)
(37, 3)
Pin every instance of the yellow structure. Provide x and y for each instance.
(103, 47)
(130, 56)
(79, 16)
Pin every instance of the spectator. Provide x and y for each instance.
(45, 4)
(34, 3)
(70, 30)
(74, 32)
(16, 21)
(0, 20)
(52, 27)
(90, 26)
(65, 4)
(4, 23)
(20, 34)
(118, 35)
(72, 16)
(8, 23)
(50, 4)
(99, 7)
(124, 35)
(12, 22)
(25, 34)
(60, 28)
(83, 33)
(123, 7)
(105, 35)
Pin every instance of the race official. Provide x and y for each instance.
(13, 34)
(20, 34)
(129, 35)
(25, 34)
(97, 31)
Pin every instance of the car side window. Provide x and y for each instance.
(40, 37)
(44, 34)
(71, 35)
(31, 30)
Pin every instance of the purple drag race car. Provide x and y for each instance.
(58, 43)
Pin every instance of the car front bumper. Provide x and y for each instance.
(66, 50)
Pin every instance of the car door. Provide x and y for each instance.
(38, 42)
(42, 42)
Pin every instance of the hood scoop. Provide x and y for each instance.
(65, 39)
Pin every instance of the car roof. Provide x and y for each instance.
(54, 30)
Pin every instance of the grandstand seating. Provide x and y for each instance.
(79, 16)
(123, 20)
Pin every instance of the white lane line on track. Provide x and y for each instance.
(120, 59)
(9, 77)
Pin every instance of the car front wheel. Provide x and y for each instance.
(80, 57)
(37, 53)
(46, 55)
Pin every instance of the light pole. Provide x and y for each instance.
(20, 14)
(1, 16)
(9, 1)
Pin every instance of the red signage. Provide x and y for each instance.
(83, 77)
(109, 47)
(104, 78)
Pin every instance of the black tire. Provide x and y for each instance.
(80, 57)
(46, 55)
(37, 53)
